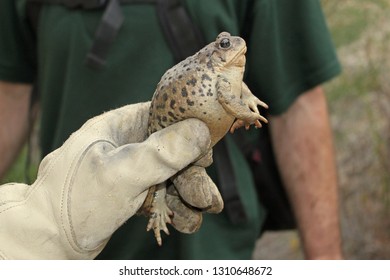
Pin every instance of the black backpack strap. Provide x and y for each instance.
(183, 36)
(228, 184)
(106, 31)
(105, 35)
(108, 28)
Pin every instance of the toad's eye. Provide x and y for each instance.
(225, 43)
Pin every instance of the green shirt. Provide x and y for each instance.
(289, 52)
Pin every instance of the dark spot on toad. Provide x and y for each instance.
(210, 65)
(160, 106)
(184, 92)
(192, 82)
(165, 97)
(172, 115)
(164, 118)
(172, 104)
(161, 125)
(174, 90)
(206, 77)
(190, 103)
(182, 110)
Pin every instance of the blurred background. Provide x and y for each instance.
(359, 102)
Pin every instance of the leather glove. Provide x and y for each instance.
(91, 185)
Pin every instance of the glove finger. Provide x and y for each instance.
(206, 160)
(194, 185)
(197, 189)
(185, 219)
(128, 124)
(159, 157)
(217, 201)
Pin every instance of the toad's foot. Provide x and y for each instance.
(242, 107)
(159, 213)
(240, 123)
(250, 99)
(251, 102)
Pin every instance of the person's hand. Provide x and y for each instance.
(91, 185)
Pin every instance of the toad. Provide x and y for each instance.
(208, 86)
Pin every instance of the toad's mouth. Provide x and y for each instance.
(239, 58)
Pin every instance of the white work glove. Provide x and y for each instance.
(91, 185)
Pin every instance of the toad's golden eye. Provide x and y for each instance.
(225, 43)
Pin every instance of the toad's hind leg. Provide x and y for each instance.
(159, 213)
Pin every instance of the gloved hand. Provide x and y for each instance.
(91, 185)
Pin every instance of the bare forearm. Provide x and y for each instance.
(304, 150)
(14, 109)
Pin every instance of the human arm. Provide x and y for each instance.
(304, 150)
(92, 184)
(14, 118)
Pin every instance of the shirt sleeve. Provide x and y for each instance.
(17, 51)
(289, 51)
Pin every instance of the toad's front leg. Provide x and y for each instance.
(235, 105)
(158, 211)
(251, 102)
